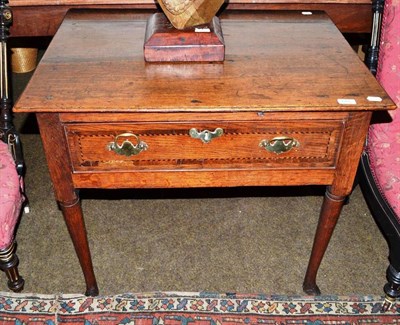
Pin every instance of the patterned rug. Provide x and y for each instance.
(193, 309)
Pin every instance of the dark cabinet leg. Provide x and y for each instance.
(73, 216)
(9, 264)
(329, 215)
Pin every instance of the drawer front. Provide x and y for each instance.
(201, 145)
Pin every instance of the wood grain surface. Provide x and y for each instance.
(292, 65)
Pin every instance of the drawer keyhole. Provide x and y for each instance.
(206, 136)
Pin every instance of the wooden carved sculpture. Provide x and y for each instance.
(188, 13)
(188, 31)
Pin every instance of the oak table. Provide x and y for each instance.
(289, 106)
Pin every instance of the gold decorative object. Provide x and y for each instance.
(23, 59)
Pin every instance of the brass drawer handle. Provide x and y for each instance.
(279, 145)
(127, 148)
(206, 136)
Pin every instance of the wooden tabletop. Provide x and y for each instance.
(274, 62)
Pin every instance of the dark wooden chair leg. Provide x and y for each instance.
(8, 259)
(392, 288)
(9, 264)
(388, 224)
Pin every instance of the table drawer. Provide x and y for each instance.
(196, 145)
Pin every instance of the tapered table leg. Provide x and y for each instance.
(329, 215)
(73, 216)
(60, 168)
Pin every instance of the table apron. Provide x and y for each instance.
(204, 178)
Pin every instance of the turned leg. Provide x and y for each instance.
(329, 215)
(371, 58)
(355, 130)
(9, 264)
(56, 150)
(72, 212)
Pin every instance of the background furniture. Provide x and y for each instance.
(107, 120)
(371, 57)
(11, 166)
(380, 163)
(43, 17)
